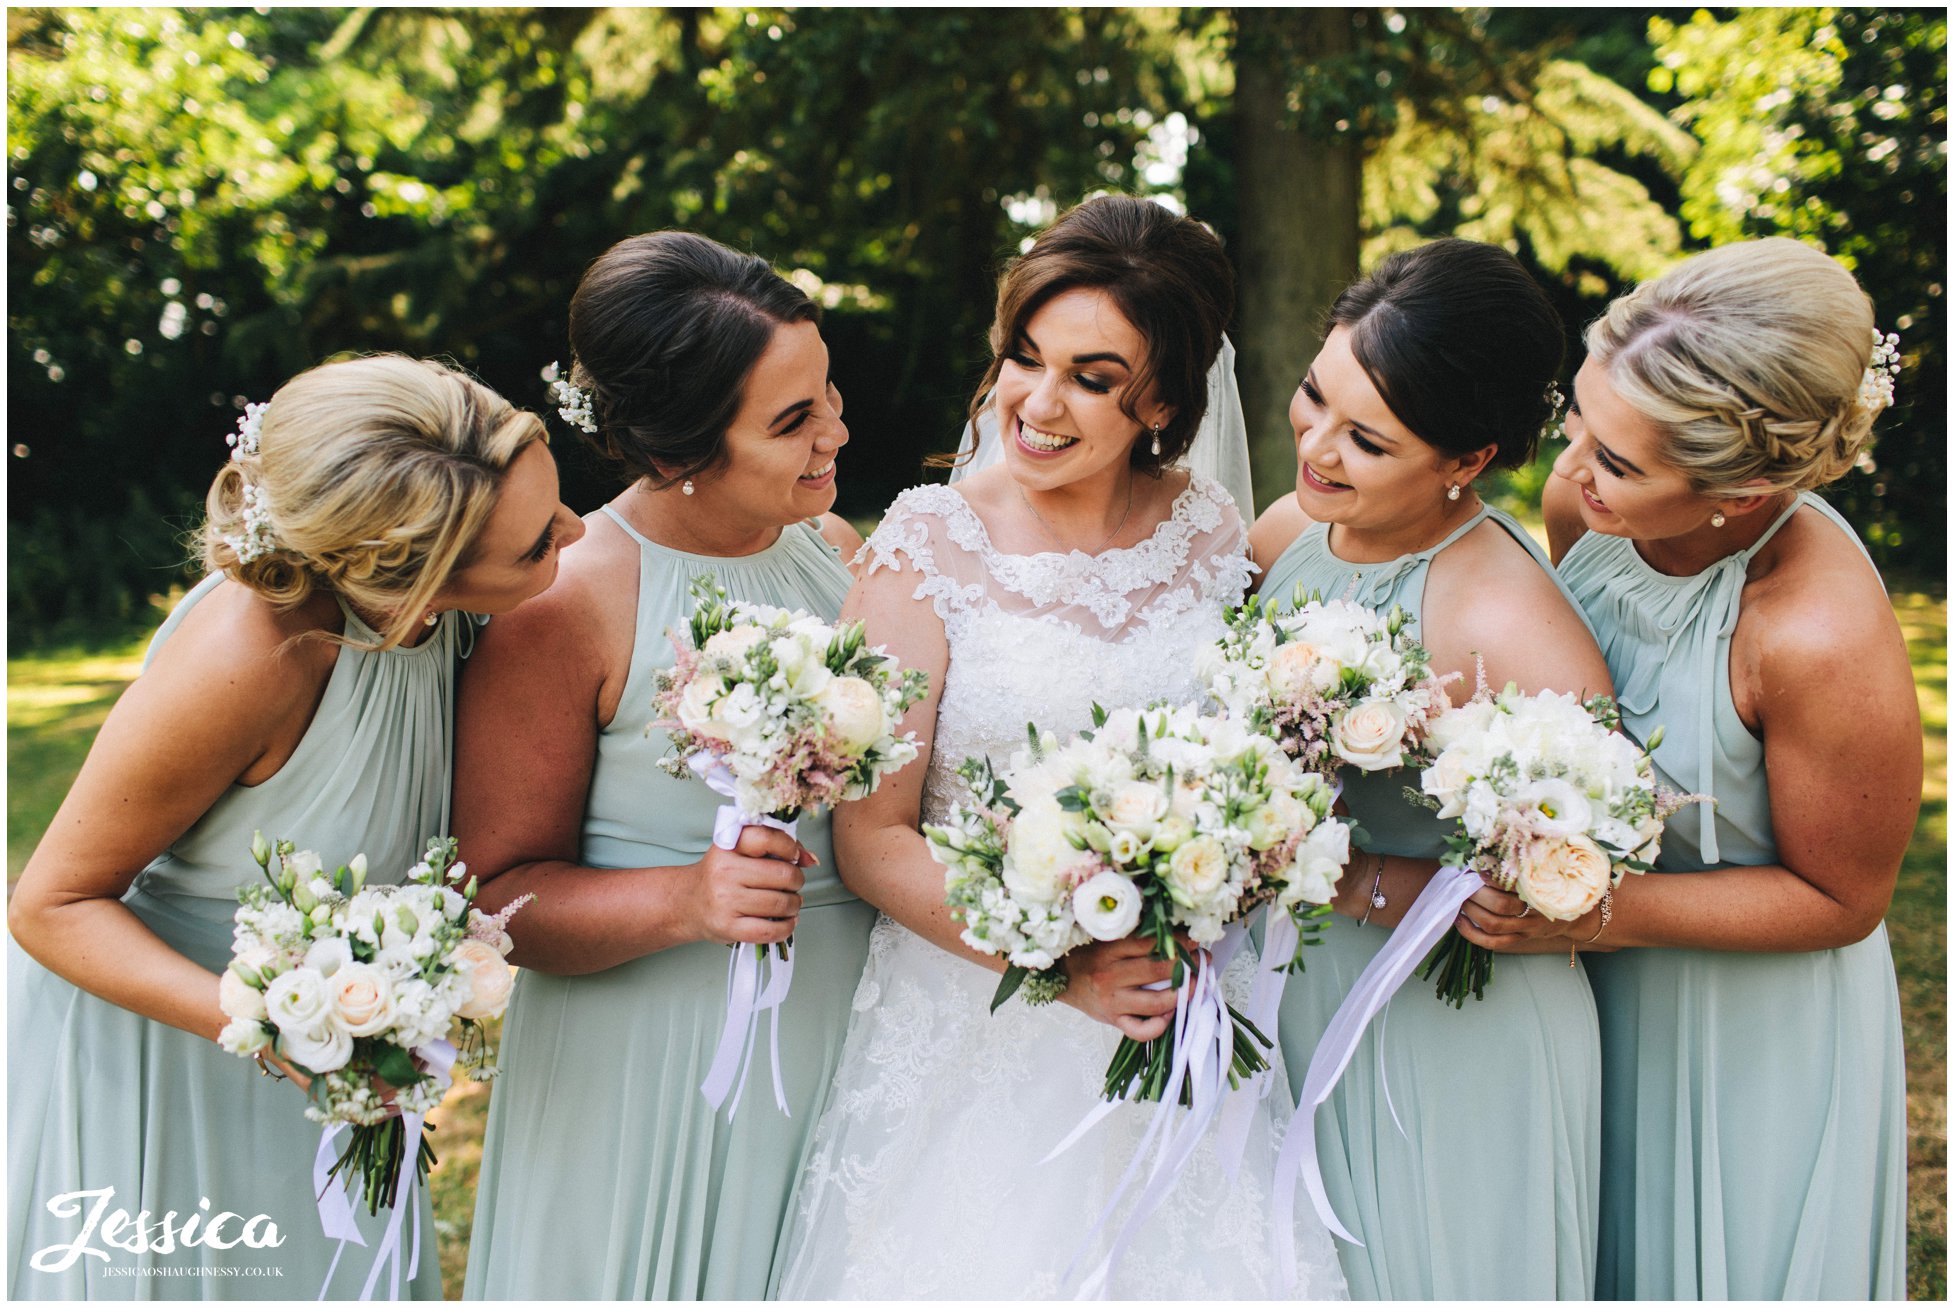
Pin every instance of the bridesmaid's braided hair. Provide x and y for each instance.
(665, 328)
(1749, 359)
(375, 476)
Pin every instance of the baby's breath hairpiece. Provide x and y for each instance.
(1552, 429)
(1876, 387)
(256, 541)
(573, 401)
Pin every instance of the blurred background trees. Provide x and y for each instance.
(203, 202)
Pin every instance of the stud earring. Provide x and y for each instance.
(429, 618)
(1452, 492)
(687, 488)
(1156, 442)
(1716, 519)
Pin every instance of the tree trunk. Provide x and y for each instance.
(1297, 239)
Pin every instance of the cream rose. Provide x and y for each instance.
(1196, 870)
(1107, 906)
(734, 642)
(1371, 735)
(238, 999)
(1041, 860)
(1295, 670)
(243, 1036)
(695, 704)
(1561, 878)
(362, 999)
(489, 979)
(1136, 806)
(1446, 779)
(853, 712)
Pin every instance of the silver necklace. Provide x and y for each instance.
(1052, 536)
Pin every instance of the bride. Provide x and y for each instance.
(1083, 566)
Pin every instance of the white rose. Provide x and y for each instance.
(1561, 878)
(734, 642)
(695, 704)
(1446, 780)
(853, 712)
(1382, 663)
(238, 999)
(489, 979)
(1557, 808)
(362, 999)
(1455, 724)
(1040, 861)
(243, 1036)
(1196, 871)
(297, 1000)
(319, 1049)
(1107, 906)
(327, 956)
(1136, 807)
(1371, 735)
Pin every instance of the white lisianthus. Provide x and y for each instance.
(1371, 735)
(303, 864)
(853, 712)
(328, 955)
(1124, 848)
(1382, 663)
(318, 1049)
(362, 999)
(1136, 806)
(1196, 871)
(1554, 808)
(297, 1000)
(1561, 878)
(1320, 860)
(1446, 780)
(1455, 724)
(239, 1000)
(396, 963)
(243, 1036)
(1107, 906)
(489, 979)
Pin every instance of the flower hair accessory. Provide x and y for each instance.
(256, 540)
(573, 401)
(1876, 387)
(1552, 429)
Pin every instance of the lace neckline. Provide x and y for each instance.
(977, 536)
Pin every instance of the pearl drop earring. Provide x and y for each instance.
(1156, 442)
(687, 488)
(1716, 519)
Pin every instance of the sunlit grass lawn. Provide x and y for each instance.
(55, 703)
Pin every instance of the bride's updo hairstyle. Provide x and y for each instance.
(664, 330)
(1749, 360)
(1462, 345)
(1170, 279)
(371, 478)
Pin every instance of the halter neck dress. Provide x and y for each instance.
(1476, 1177)
(101, 1098)
(605, 1174)
(1754, 1105)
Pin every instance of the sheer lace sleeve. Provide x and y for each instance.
(915, 536)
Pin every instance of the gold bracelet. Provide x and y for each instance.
(1607, 914)
(265, 1069)
(1377, 894)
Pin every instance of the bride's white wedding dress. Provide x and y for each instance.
(925, 1180)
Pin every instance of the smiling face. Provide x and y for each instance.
(1059, 390)
(779, 462)
(514, 557)
(1613, 456)
(1357, 465)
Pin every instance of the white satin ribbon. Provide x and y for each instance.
(1204, 1047)
(1431, 915)
(1279, 940)
(335, 1202)
(757, 978)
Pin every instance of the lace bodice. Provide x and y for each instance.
(1042, 637)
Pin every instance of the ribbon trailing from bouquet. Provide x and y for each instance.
(335, 1202)
(757, 978)
(1431, 915)
(1204, 1049)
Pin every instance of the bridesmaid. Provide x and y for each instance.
(605, 1174)
(1754, 1095)
(303, 688)
(1475, 1177)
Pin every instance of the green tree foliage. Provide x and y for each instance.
(1830, 125)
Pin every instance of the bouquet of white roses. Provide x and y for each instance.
(1160, 821)
(1553, 804)
(1331, 680)
(782, 714)
(356, 985)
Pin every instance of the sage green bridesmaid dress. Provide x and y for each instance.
(102, 1099)
(1754, 1105)
(605, 1174)
(1461, 1145)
